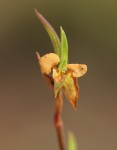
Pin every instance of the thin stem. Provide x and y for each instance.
(58, 121)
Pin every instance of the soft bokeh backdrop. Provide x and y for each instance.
(26, 103)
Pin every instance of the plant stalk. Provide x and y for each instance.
(58, 121)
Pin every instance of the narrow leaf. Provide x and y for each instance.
(71, 142)
(53, 35)
(64, 51)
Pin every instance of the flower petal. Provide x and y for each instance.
(70, 89)
(77, 70)
(47, 62)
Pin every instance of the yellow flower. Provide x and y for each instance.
(55, 68)
(66, 80)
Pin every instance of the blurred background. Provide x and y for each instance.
(26, 103)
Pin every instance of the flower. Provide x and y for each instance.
(55, 68)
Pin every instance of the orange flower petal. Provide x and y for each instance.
(47, 62)
(77, 70)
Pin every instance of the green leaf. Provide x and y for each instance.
(53, 35)
(71, 142)
(64, 51)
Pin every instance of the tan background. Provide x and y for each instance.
(27, 105)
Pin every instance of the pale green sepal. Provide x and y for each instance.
(71, 142)
(53, 35)
(64, 51)
(70, 89)
(58, 86)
